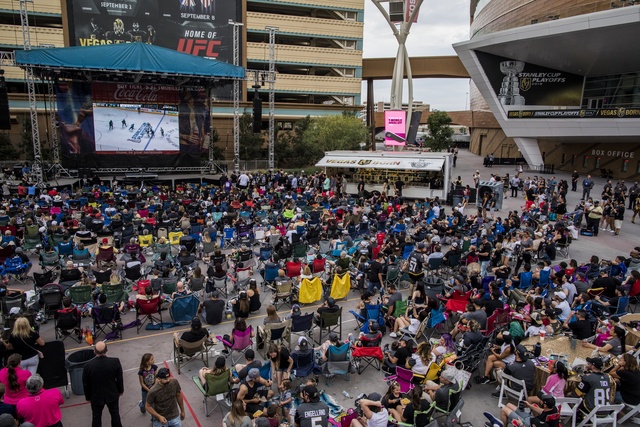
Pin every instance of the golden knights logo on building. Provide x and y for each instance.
(621, 112)
(525, 84)
(364, 162)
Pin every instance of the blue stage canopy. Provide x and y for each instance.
(130, 58)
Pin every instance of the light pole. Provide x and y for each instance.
(401, 32)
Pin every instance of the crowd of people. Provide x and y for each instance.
(506, 263)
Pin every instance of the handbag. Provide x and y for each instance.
(40, 354)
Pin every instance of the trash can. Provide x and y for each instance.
(455, 200)
(75, 365)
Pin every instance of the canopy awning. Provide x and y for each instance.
(139, 58)
(382, 163)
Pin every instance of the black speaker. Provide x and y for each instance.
(257, 115)
(5, 117)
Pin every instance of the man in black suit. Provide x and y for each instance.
(103, 385)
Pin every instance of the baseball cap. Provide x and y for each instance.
(595, 361)
(331, 302)
(253, 373)
(520, 349)
(376, 397)
(454, 245)
(535, 318)
(310, 391)
(163, 373)
(421, 246)
(105, 241)
(195, 322)
(561, 295)
(548, 400)
(295, 309)
(333, 336)
(448, 375)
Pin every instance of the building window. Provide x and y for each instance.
(585, 162)
(597, 162)
(625, 165)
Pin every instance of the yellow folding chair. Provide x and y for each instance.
(310, 291)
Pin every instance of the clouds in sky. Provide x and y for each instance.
(440, 24)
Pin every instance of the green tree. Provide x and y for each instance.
(251, 144)
(213, 138)
(7, 150)
(440, 132)
(289, 148)
(342, 132)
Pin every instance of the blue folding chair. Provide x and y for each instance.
(183, 309)
(229, 236)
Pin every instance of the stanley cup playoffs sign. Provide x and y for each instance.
(197, 27)
(522, 83)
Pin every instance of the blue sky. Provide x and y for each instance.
(440, 24)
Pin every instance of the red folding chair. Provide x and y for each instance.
(293, 269)
(149, 311)
(458, 302)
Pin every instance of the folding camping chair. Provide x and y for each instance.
(241, 343)
(303, 365)
(67, 322)
(419, 333)
(184, 308)
(218, 390)
(310, 291)
(340, 286)
(302, 325)
(329, 322)
(52, 367)
(279, 333)
(368, 353)
(149, 310)
(51, 296)
(338, 362)
(283, 294)
(106, 321)
(185, 352)
(458, 302)
(404, 378)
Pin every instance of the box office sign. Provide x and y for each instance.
(613, 153)
(603, 113)
(522, 83)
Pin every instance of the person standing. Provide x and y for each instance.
(103, 385)
(515, 185)
(574, 180)
(618, 217)
(593, 217)
(634, 191)
(164, 401)
(587, 185)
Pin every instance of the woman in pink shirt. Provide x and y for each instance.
(14, 379)
(555, 384)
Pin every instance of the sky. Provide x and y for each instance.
(440, 24)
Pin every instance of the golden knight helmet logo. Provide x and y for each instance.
(364, 162)
(118, 26)
(525, 84)
(621, 112)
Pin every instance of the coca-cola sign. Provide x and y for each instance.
(134, 94)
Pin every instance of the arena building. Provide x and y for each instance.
(562, 79)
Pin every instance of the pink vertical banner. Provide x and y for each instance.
(409, 6)
(395, 127)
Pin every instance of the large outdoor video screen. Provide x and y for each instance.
(197, 27)
(105, 125)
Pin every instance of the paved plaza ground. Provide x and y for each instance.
(77, 412)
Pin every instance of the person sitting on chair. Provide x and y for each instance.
(329, 306)
(195, 334)
(180, 291)
(70, 273)
(163, 264)
(540, 416)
